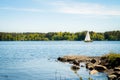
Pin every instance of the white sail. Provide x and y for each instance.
(87, 38)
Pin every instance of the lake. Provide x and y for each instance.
(37, 60)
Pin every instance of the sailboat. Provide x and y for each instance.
(87, 38)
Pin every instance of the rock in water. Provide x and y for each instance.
(82, 66)
(93, 72)
(61, 59)
(93, 61)
(76, 62)
(112, 77)
(89, 66)
(100, 68)
(74, 67)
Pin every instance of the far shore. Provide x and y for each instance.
(60, 36)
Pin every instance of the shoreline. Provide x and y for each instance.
(95, 64)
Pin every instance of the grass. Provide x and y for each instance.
(113, 56)
(90, 78)
(113, 59)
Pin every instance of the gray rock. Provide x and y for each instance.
(112, 77)
(70, 60)
(100, 68)
(118, 78)
(89, 66)
(76, 62)
(93, 61)
(117, 73)
(74, 67)
(62, 59)
(93, 72)
(117, 69)
(82, 65)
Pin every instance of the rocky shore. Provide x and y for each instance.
(95, 64)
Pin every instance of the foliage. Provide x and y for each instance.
(90, 78)
(113, 59)
(113, 56)
(97, 36)
(78, 36)
(112, 35)
(81, 78)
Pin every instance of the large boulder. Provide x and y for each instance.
(89, 66)
(69, 60)
(62, 59)
(93, 72)
(76, 62)
(112, 77)
(74, 67)
(117, 73)
(117, 69)
(93, 61)
(118, 78)
(100, 68)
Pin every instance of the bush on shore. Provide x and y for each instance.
(111, 59)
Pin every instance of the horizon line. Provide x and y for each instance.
(54, 31)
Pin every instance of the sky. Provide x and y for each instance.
(59, 15)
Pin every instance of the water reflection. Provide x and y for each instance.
(85, 75)
(75, 68)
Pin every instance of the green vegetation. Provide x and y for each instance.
(113, 59)
(90, 78)
(78, 36)
(113, 56)
(81, 78)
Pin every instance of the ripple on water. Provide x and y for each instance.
(27, 60)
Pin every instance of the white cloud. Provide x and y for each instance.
(84, 8)
(21, 9)
(69, 7)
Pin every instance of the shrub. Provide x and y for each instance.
(113, 59)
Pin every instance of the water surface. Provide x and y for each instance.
(36, 60)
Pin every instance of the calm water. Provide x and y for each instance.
(36, 60)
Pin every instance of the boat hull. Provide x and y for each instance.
(88, 41)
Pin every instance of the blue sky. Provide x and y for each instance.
(59, 15)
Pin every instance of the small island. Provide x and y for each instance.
(109, 64)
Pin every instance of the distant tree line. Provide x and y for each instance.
(54, 36)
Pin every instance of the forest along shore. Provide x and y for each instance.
(56, 36)
(109, 64)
